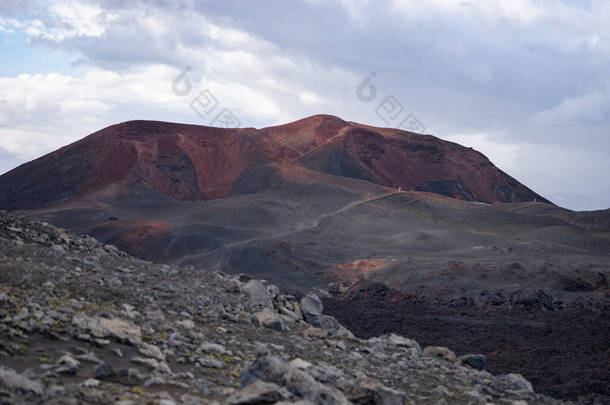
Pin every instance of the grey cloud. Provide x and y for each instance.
(16, 7)
(543, 83)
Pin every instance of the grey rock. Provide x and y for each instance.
(439, 352)
(104, 370)
(118, 329)
(151, 351)
(476, 361)
(272, 369)
(213, 347)
(90, 357)
(187, 323)
(476, 398)
(291, 314)
(91, 382)
(153, 364)
(257, 293)
(11, 379)
(513, 382)
(333, 327)
(259, 392)
(211, 363)
(315, 332)
(404, 342)
(67, 365)
(58, 249)
(368, 391)
(269, 320)
(311, 307)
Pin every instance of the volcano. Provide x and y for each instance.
(314, 201)
(194, 163)
(401, 232)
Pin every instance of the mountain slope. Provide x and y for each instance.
(326, 204)
(84, 323)
(191, 163)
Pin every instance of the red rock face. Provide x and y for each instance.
(190, 163)
(358, 270)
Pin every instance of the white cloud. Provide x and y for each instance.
(524, 11)
(43, 112)
(71, 18)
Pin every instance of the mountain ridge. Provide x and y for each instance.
(191, 162)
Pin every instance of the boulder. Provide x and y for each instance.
(259, 392)
(104, 370)
(404, 342)
(257, 294)
(301, 384)
(315, 332)
(67, 365)
(513, 382)
(369, 391)
(151, 351)
(269, 319)
(440, 352)
(311, 307)
(333, 327)
(476, 361)
(11, 379)
(117, 329)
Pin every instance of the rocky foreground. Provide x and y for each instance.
(82, 322)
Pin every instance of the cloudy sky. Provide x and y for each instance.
(527, 82)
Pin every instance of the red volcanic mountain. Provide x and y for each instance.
(193, 163)
(313, 201)
(316, 204)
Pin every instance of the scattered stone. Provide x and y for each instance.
(269, 320)
(67, 365)
(90, 357)
(476, 361)
(186, 323)
(257, 294)
(12, 380)
(272, 369)
(315, 332)
(58, 249)
(151, 351)
(300, 364)
(513, 382)
(211, 363)
(258, 392)
(439, 352)
(104, 370)
(333, 327)
(118, 329)
(91, 382)
(212, 347)
(153, 364)
(368, 391)
(404, 342)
